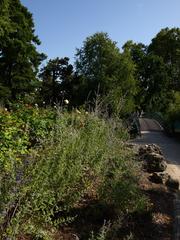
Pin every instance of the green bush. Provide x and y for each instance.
(173, 111)
(74, 152)
(19, 130)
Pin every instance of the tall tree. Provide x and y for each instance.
(56, 80)
(4, 18)
(166, 44)
(155, 84)
(106, 71)
(19, 59)
(138, 52)
(152, 75)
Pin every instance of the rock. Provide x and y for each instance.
(172, 183)
(150, 148)
(155, 162)
(153, 157)
(155, 148)
(156, 178)
(142, 151)
(164, 176)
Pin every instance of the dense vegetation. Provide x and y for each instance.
(62, 131)
(51, 160)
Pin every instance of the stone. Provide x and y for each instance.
(172, 183)
(150, 148)
(154, 148)
(164, 176)
(155, 162)
(156, 178)
(153, 157)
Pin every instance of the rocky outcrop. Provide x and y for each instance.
(150, 148)
(155, 163)
(154, 160)
(158, 177)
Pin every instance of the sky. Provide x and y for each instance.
(63, 25)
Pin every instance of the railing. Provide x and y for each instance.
(159, 118)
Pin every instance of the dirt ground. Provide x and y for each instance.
(160, 225)
(155, 224)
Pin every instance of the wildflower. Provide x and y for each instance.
(86, 113)
(36, 105)
(66, 101)
(44, 103)
(5, 109)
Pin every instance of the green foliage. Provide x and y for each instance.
(157, 84)
(18, 132)
(173, 110)
(102, 233)
(19, 59)
(56, 76)
(109, 231)
(166, 44)
(4, 18)
(153, 92)
(41, 183)
(106, 72)
(118, 186)
(14, 140)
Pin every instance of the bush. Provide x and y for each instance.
(172, 113)
(74, 152)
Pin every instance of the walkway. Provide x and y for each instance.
(152, 132)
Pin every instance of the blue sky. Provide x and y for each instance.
(63, 25)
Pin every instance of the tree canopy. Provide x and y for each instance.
(56, 76)
(19, 59)
(152, 74)
(106, 71)
(166, 44)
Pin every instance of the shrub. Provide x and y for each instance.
(74, 153)
(102, 235)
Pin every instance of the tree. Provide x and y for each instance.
(166, 44)
(155, 84)
(106, 71)
(138, 52)
(19, 59)
(152, 75)
(4, 18)
(56, 80)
